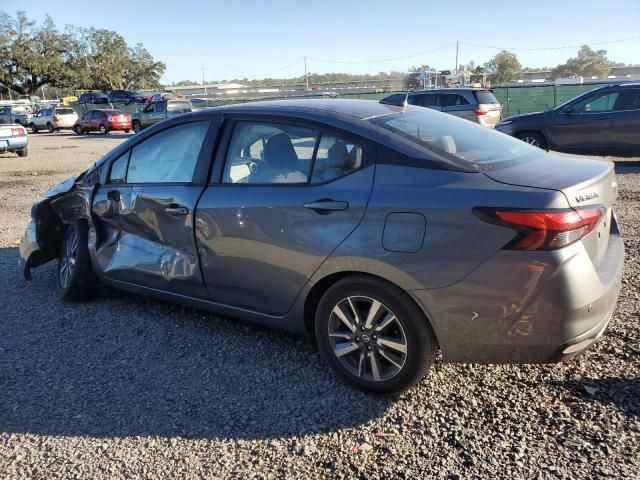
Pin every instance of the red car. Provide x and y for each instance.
(103, 121)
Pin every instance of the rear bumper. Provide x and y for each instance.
(120, 126)
(11, 144)
(518, 307)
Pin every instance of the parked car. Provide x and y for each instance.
(53, 119)
(103, 121)
(386, 232)
(15, 114)
(478, 105)
(156, 97)
(155, 112)
(92, 98)
(604, 121)
(13, 138)
(125, 96)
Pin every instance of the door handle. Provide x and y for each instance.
(176, 210)
(327, 205)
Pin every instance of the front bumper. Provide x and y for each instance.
(527, 307)
(505, 128)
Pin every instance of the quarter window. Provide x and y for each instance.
(168, 156)
(118, 172)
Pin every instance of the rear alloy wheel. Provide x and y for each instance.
(75, 278)
(23, 153)
(103, 130)
(374, 335)
(50, 128)
(533, 138)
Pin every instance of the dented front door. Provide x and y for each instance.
(144, 212)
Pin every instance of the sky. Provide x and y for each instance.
(237, 39)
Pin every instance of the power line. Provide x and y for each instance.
(551, 48)
(324, 60)
(258, 74)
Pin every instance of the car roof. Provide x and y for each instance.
(361, 109)
(453, 90)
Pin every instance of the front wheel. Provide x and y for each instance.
(373, 335)
(533, 138)
(103, 130)
(34, 129)
(136, 127)
(78, 129)
(75, 278)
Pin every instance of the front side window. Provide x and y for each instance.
(425, 100)
(168, 156)
(595, 104)
(160, 107)
(269, 153)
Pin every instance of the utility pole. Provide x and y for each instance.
(204, 85)
(457, 43)
(306, 75)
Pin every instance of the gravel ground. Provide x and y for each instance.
(128, 387)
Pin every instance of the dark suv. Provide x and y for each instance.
(603, 121)
(478, 105)
(126, 96)
(93, 98)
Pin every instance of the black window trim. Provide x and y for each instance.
(322, 129)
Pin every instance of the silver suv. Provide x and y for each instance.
(53, 119)
(478, 105)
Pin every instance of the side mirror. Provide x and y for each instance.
(568, 111)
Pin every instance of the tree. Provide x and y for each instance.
(504, 67)
(588, 63)
(32, 56)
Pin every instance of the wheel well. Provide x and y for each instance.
(529, 130)
(318, 290)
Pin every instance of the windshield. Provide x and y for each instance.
(454, 138)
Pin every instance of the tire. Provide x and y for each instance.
(34, 129)
(137, 127)
(78, 129)
(127, 130)
(50, 128)
(23, 153)
(367, 363)
(74, 277)
(533, 138)
(103, 130)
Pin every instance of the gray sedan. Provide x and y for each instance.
(386, 232)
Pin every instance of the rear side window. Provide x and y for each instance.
(335, 157)
(424, 100)
(65, 111)
(168, 156)
(483, 96)
(453, 100)
(179, 106)
(628, 100)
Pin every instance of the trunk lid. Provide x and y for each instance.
(583, 181)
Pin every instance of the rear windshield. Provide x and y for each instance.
(179, 106)
(484, 96)
(456, 139)
(65, 111)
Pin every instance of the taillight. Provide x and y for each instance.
(18, 132)
(479, 113)
(56, 118)
(544, 229)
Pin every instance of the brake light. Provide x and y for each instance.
(544, 229)
(56, 118)
(18, 132)
(479, 113)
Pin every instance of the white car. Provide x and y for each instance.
(53, 119)
(13, 138)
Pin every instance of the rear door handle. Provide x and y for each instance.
(327, 205)
(176, 210)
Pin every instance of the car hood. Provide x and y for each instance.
(526, 116)
(62, 187)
